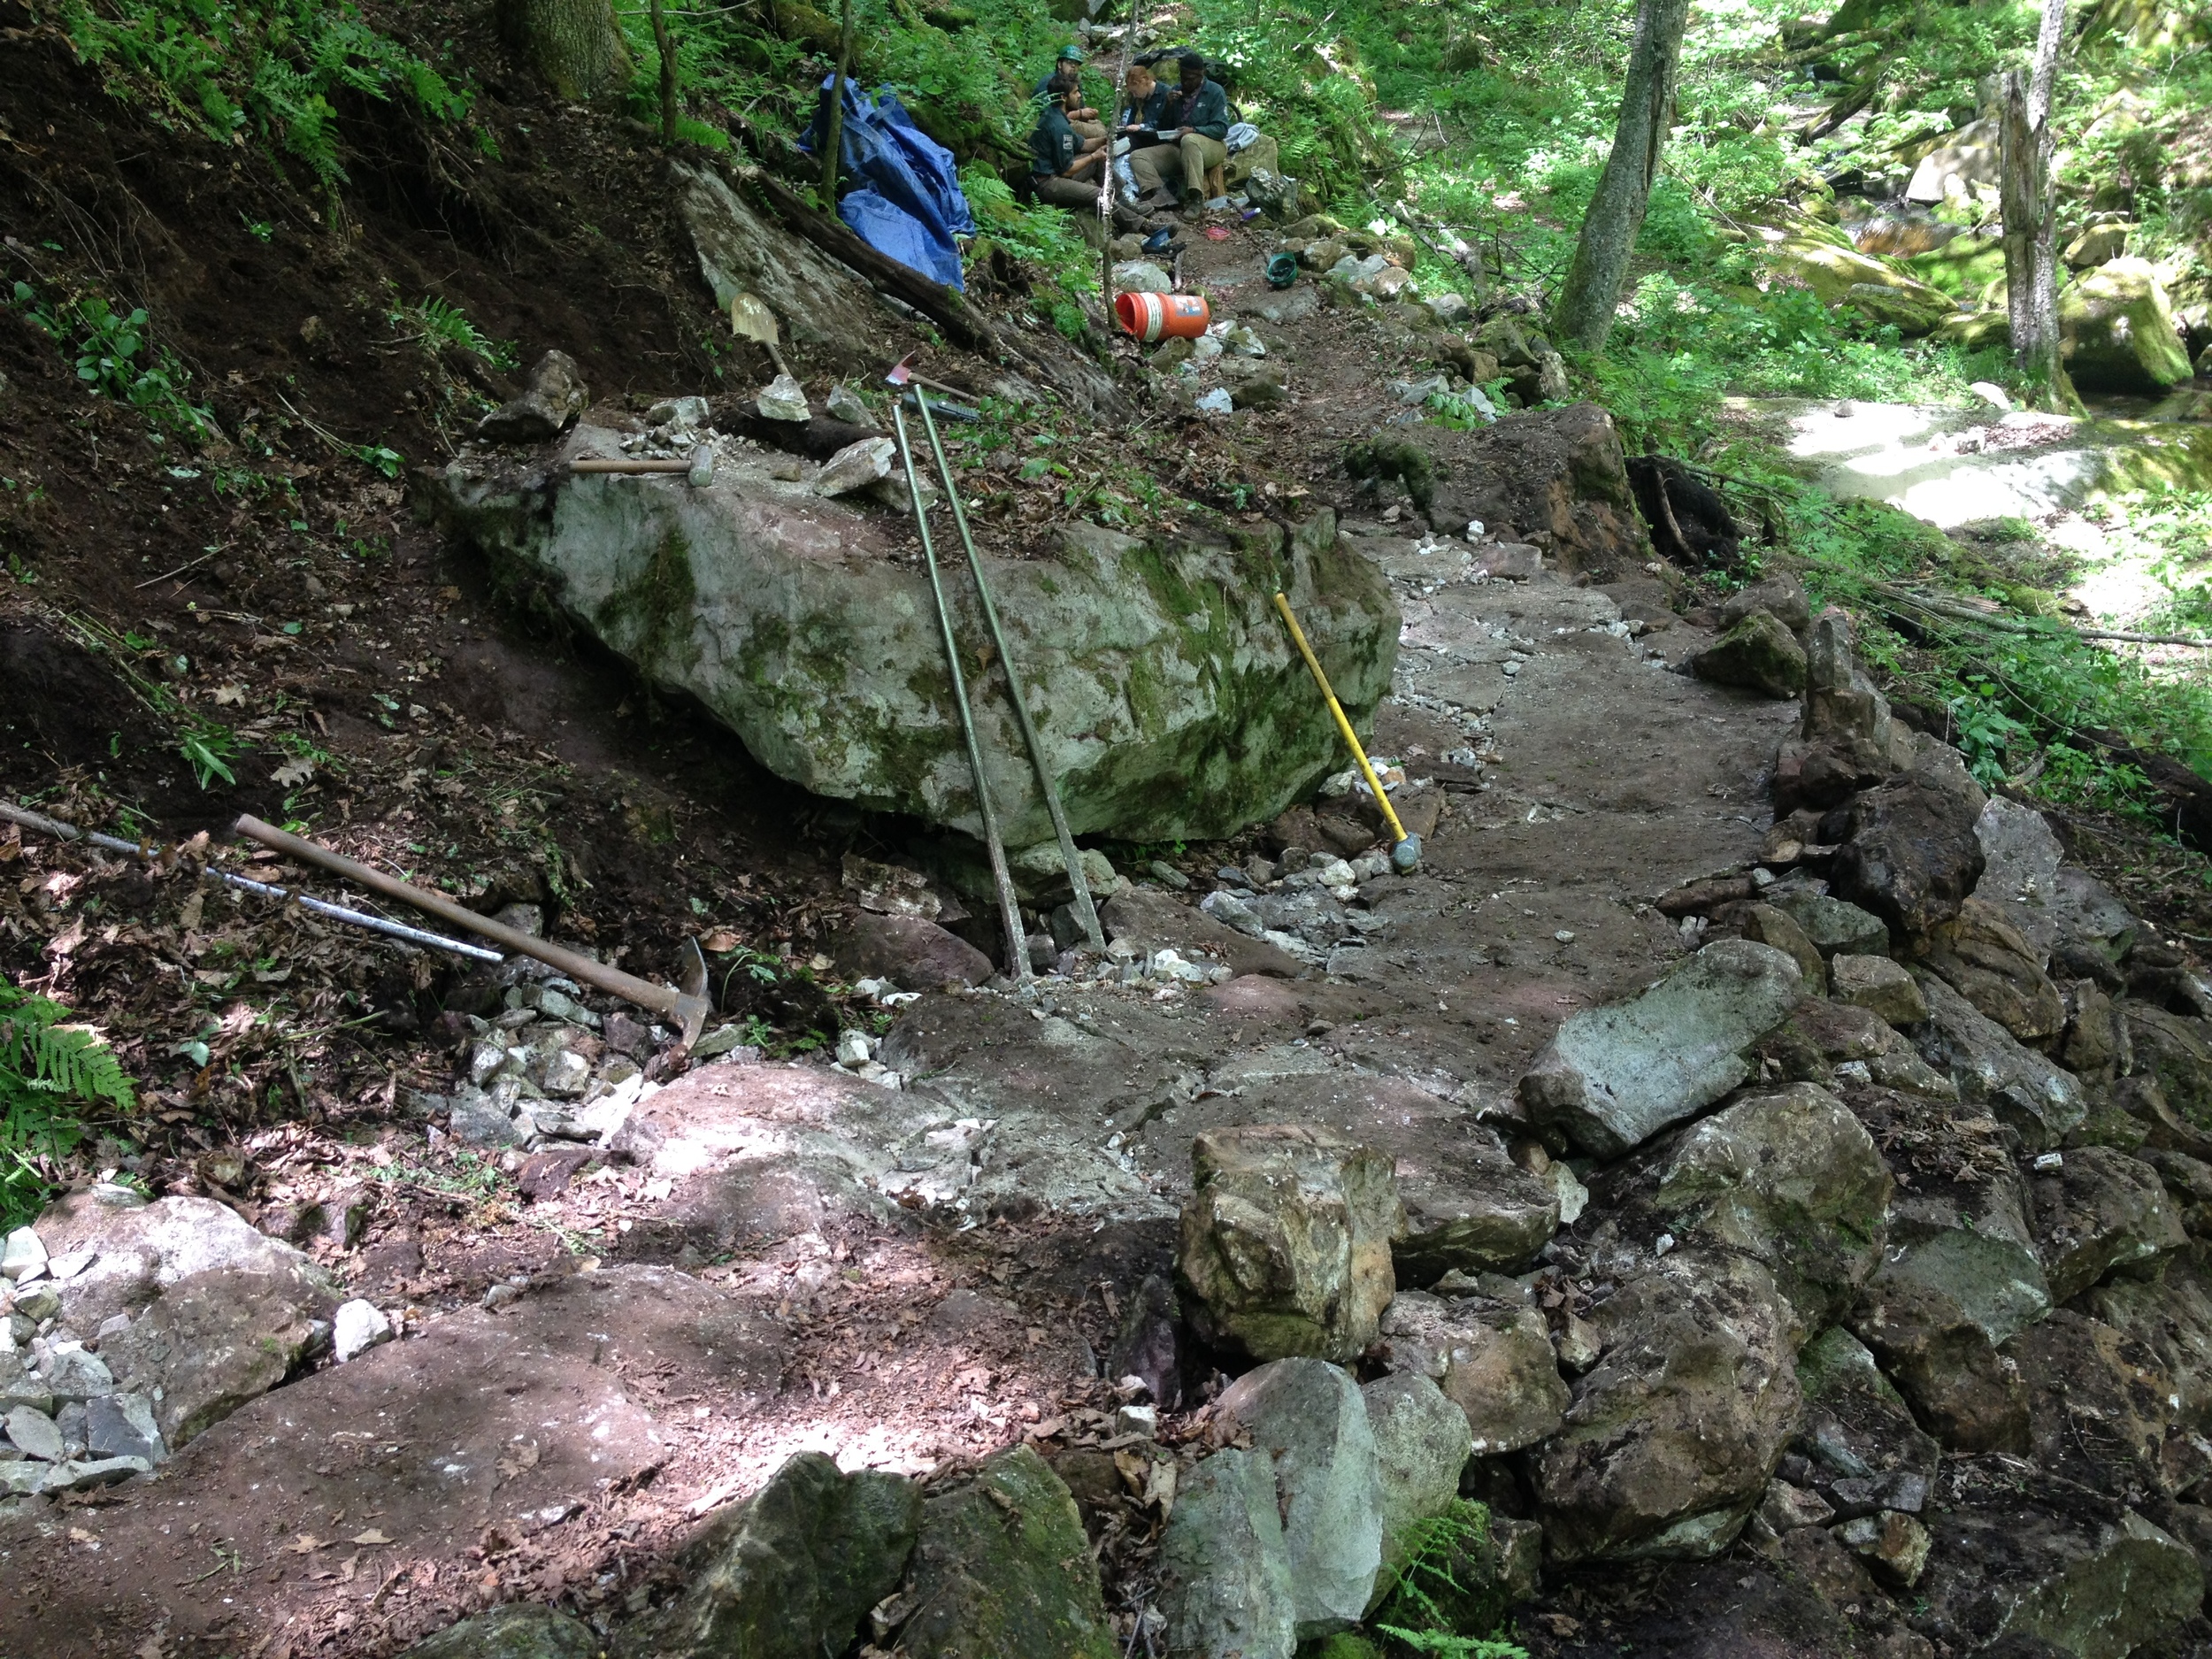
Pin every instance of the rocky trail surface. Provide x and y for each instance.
(1752, 1164)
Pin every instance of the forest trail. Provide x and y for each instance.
(615, 1401)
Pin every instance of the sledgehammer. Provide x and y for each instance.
(1405, 851)
(687, 1008)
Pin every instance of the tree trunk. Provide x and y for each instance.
(574, 44)
(665, 49)
(1585, 312)
(833, 150)
(2030, 222)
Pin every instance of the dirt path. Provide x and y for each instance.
(905, 1276)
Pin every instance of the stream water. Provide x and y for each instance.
(1956, 467)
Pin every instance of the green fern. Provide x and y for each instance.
(1445, 1600)
(45, 1067)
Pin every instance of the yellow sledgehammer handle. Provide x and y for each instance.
(1298, 634)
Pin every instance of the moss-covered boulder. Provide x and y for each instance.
(2117, 331)
(1002, 1567)
(521, 1630)
(790, 1573)
(1840, 274)
(1758, 653)
(1970, 267)
(1166, 691)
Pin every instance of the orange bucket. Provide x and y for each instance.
(1157, 316)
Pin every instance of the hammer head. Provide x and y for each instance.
(899, 374)
(692, 1004)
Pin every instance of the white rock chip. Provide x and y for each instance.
(358, 1327)
(23, 1255)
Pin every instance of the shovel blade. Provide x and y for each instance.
(750, 317)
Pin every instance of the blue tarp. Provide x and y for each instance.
(909, 204)
(889, 228)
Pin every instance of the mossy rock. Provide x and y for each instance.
(1002, 1567)
(2117, 331)
(1343, 1645)
(1908, 311)
(1976, 331)
(1169, 698)
(1970, 268)
(1833, 269)
(1758, 653)
(522, 1630)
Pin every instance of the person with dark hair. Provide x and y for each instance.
(1067, 88)
(1193, 123)
(1067, 162)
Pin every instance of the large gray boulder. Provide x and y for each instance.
(1613, 1076)
(553, 401)
(1674, 1434)
(1001, 1566)
(1169, 698)
(2021, 858)
(521, 1630)
(1421, 1443)
(1833, 927)
(1961, 1276)
(818, 301)
(141, 1251)
(1492, 1361)
(215, 1341)
(1792, 1180)
(1492, 1216)
(1308, 1418)
(1286, 1241)
(1757, 653)
(2048, 1561)
(2098, 1213)
(2171, 1317)
(2101, 1412)
(1983, 957)
(1863, 1452)
(1225, 1585)
(2022, 1089)
(790, 1573)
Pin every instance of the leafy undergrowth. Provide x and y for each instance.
(278, 69)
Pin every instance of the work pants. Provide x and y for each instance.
(1181, 164)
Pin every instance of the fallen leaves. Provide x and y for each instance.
(369, 1540)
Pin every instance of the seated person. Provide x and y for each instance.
(1060, 163)
(1142, 100)
(1069, 171)
(1067, 91)
(1193, 121)
(1069, 60)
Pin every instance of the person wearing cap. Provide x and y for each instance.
(1194, 121)
(1069, 60)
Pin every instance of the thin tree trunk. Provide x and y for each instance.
(831, 150)
(1585, 312)
(666, 51)
(2030, 222)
